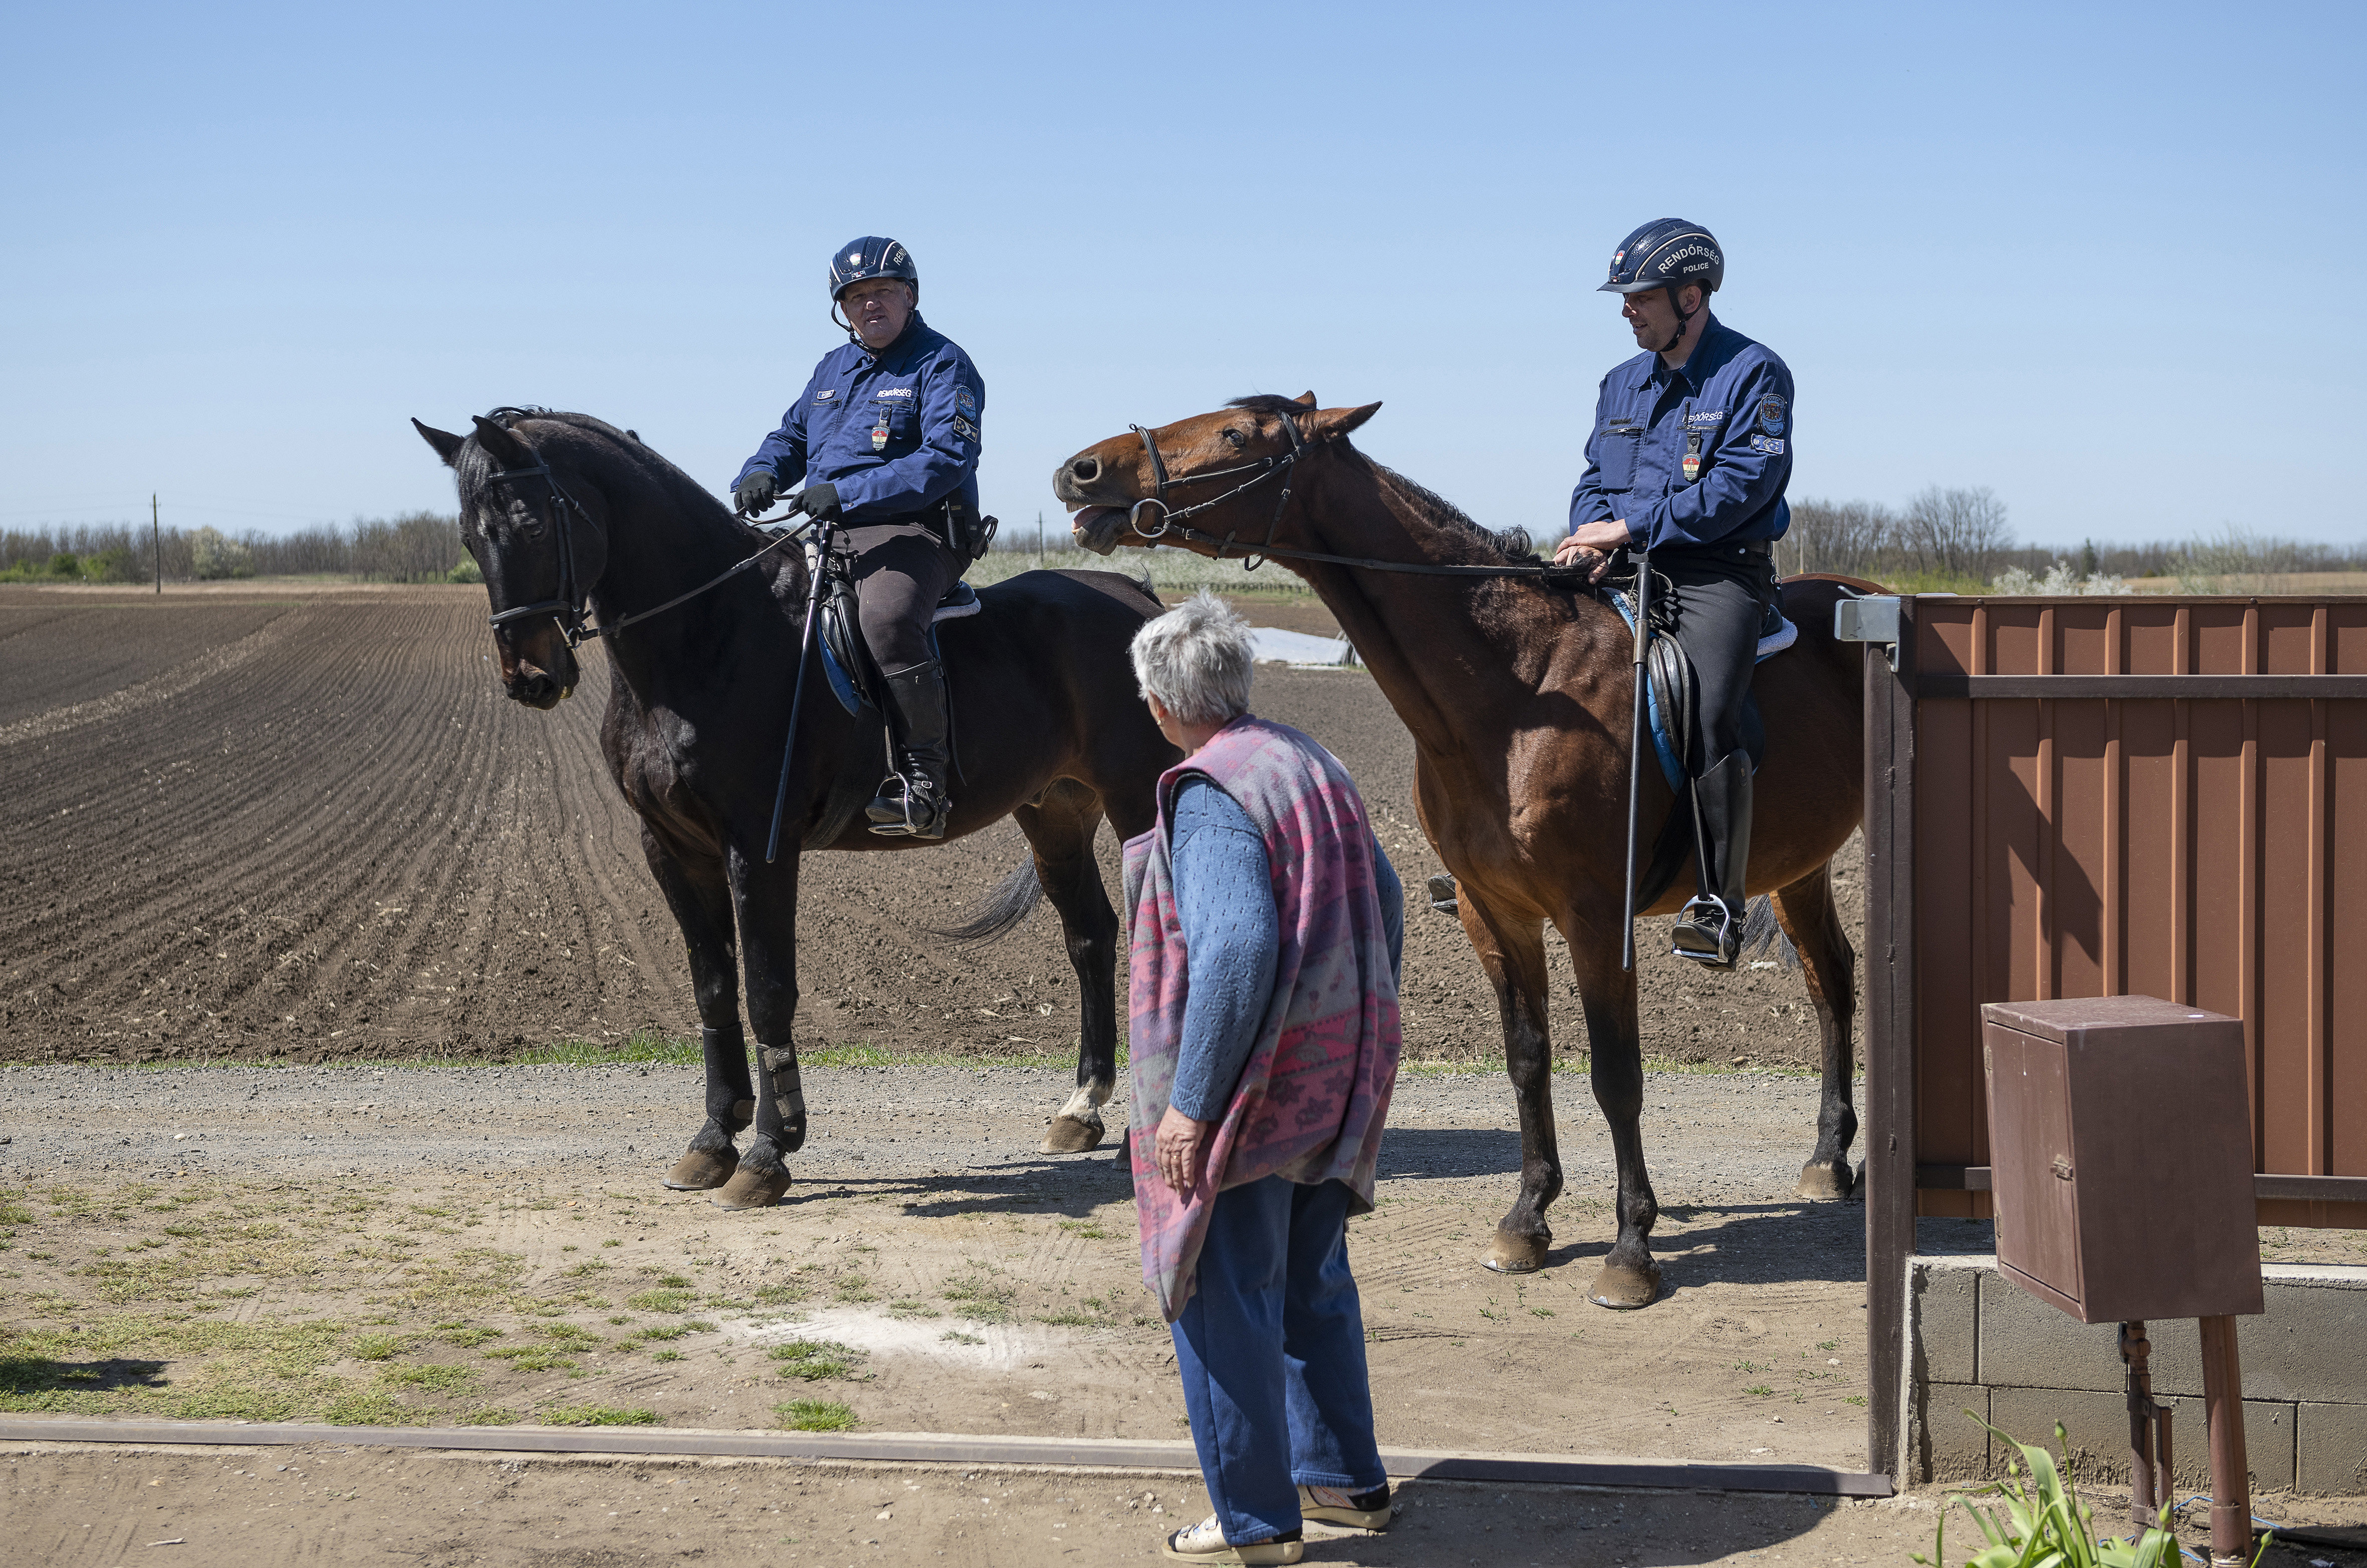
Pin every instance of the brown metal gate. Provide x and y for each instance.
(2103, 796)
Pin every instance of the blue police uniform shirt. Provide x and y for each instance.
(1734, 396)
(895, 432)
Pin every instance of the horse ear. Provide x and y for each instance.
(1332, 424)
(502, 445)
(447, 445)
(1305, 399)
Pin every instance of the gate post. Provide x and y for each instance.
(1889, 1180)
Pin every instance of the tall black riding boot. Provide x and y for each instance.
(912, 801)
(1709, 928)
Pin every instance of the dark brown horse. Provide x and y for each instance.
(1517, 693)
(559, 509)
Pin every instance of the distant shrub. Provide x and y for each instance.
(467, 571)
(215, 554)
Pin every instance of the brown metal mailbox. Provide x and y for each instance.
(2121, 1157)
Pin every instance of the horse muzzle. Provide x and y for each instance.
(541, 676)
(1096, 529)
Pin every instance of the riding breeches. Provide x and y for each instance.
(1723, 591)
(901, 570)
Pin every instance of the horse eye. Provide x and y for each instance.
(1236, 437)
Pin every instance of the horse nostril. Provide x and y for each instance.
(1086, 468)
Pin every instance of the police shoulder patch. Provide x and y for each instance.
(1770, 415)
(964, 400)
(965, 429)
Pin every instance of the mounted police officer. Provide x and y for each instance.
(1688, 457)
(886, 436)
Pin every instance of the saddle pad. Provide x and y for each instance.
(849, 671)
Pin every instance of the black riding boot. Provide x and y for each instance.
(912, 801)
(1709, 928)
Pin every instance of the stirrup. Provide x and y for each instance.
(901, 811)
(1709, 931)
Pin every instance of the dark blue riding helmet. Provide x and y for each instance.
(1667, 252)
(873, 255)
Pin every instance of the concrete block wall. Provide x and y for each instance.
(1977, 1342)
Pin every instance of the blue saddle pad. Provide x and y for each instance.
(1669, 748)
(959, 601)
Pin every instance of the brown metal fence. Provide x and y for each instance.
(2104, 796)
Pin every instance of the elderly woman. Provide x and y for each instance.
(1267, 926)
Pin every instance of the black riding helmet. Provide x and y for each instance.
(860, 261)
(1669, 253)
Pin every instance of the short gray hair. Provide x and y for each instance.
(1197, 660)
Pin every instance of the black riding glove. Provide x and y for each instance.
(819, 501)
(754, 494)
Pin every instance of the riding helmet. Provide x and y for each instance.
(1667, 252)
(859, 261)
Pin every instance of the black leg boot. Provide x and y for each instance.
(912, 801)
(1709, 928)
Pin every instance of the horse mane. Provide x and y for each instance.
(1513, 545)
(475, 468)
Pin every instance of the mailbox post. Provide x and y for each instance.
(2122, 1169)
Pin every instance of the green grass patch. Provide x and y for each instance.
(815, 1359)
(815, 1416)
(465, 1335)
(662, 1301)
(914, 1307)
(492, 1416)
(780, 1295)
(597, 1416)
(643, 1045)
(372, 1407)
(667, 1356)
(435, 1376)
(378, 1347)
(956, 1337)
(533, 1358)
(980, 1297)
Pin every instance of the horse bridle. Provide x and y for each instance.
(1170, 520)
(570, 608)
(1171, 517)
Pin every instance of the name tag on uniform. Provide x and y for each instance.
(825, 394)
(893, 392)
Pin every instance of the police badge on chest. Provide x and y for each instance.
(879, 433)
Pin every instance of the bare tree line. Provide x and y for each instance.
(1963, 536)
(417, 546)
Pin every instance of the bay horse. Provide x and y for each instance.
(1517, 693)
(567, 515)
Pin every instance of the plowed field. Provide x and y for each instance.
(304, 822)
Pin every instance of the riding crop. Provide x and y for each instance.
(1636, 738)
(823, 539)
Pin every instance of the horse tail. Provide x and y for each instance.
(1761, 932)
(1011, 901)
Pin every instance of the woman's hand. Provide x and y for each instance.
(1180, 1144)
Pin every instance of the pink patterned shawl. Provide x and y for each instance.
(1312, 1099)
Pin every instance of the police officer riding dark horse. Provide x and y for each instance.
(886, 437)
(1687, 463)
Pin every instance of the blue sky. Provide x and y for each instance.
(2106, 260)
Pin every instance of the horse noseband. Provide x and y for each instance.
(1171, 517)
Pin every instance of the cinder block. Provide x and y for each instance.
(2024, 1343)
(1941, 1444)
(2097, 1424)
(1945, 1304)
(2306, 1344)
(2330, 1449)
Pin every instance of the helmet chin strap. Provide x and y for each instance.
(1683, 321)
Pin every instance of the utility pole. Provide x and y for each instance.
(156, 535)
(1039, 540)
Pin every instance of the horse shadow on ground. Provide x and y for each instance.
(24, 1376)
(1716, 1242)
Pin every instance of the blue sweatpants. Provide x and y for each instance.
(1271, 1347)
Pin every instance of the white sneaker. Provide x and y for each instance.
(1364, 1511)
(1206, 1542)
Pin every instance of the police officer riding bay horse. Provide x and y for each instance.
(585, 533)
(1515, 677)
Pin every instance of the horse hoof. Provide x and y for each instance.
(1623, 1288)
(698, 1170)
(1823, 1183)
(1510, 1253)
(752, 1188)
(1069, 1136)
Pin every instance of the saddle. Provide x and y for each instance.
(854, 674)
(1670, 695)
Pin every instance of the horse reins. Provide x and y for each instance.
(1169, 519)
(570, 609)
